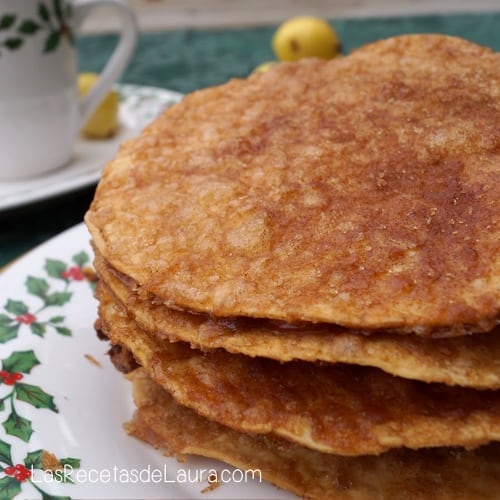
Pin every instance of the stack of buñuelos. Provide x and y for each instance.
(304, 267)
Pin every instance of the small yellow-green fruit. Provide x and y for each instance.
(262, 68)
(305, 36)
(103, 122)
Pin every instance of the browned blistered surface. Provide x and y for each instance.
(470, 361)
(362, 191)
(343, 409)
(435, 474)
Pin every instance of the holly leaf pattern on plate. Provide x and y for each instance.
(5, 456)
(35, 396)
(58, 298)
(16, 307)
(55, 268)
(33, 460)
(54, 290)
(63, 330)
(20, 361)
(38, 329)
(80, 259)
(18, 426)
(37, 286)
(8, 332)
(46, 496)
(73, 462)
(9, 487)
(56, 320)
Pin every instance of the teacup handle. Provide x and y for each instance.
(118, 60)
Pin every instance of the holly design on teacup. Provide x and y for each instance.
(53, 18)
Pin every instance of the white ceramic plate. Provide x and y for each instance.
(67, 399)
(138, 106)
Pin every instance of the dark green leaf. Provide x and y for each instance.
(5, 320)
(35, 396)
(53, 267)
(63, 476)
(58, 9)
(13, 43)
(8, 332)
(71, 36)
(9, 487)
(56, 319)
(28, 27)
(62, 330)
(16, 307)
(80, 259)
(46, 496)
(37, 286)
(6, 21)
(5, 456)
(18, 426)
(38, 329)
(34, 460)
(58, 298)
(73, 462)
(2, 405)
(43, 12)
(52, 42)
(20, 361)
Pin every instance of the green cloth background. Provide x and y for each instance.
(187, 60)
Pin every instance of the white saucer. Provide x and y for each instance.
(138, 106)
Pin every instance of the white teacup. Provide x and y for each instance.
(40, 112)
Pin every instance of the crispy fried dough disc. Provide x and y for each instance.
(361, 191)
(468, 361)
(436, 474)
(342, 409)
